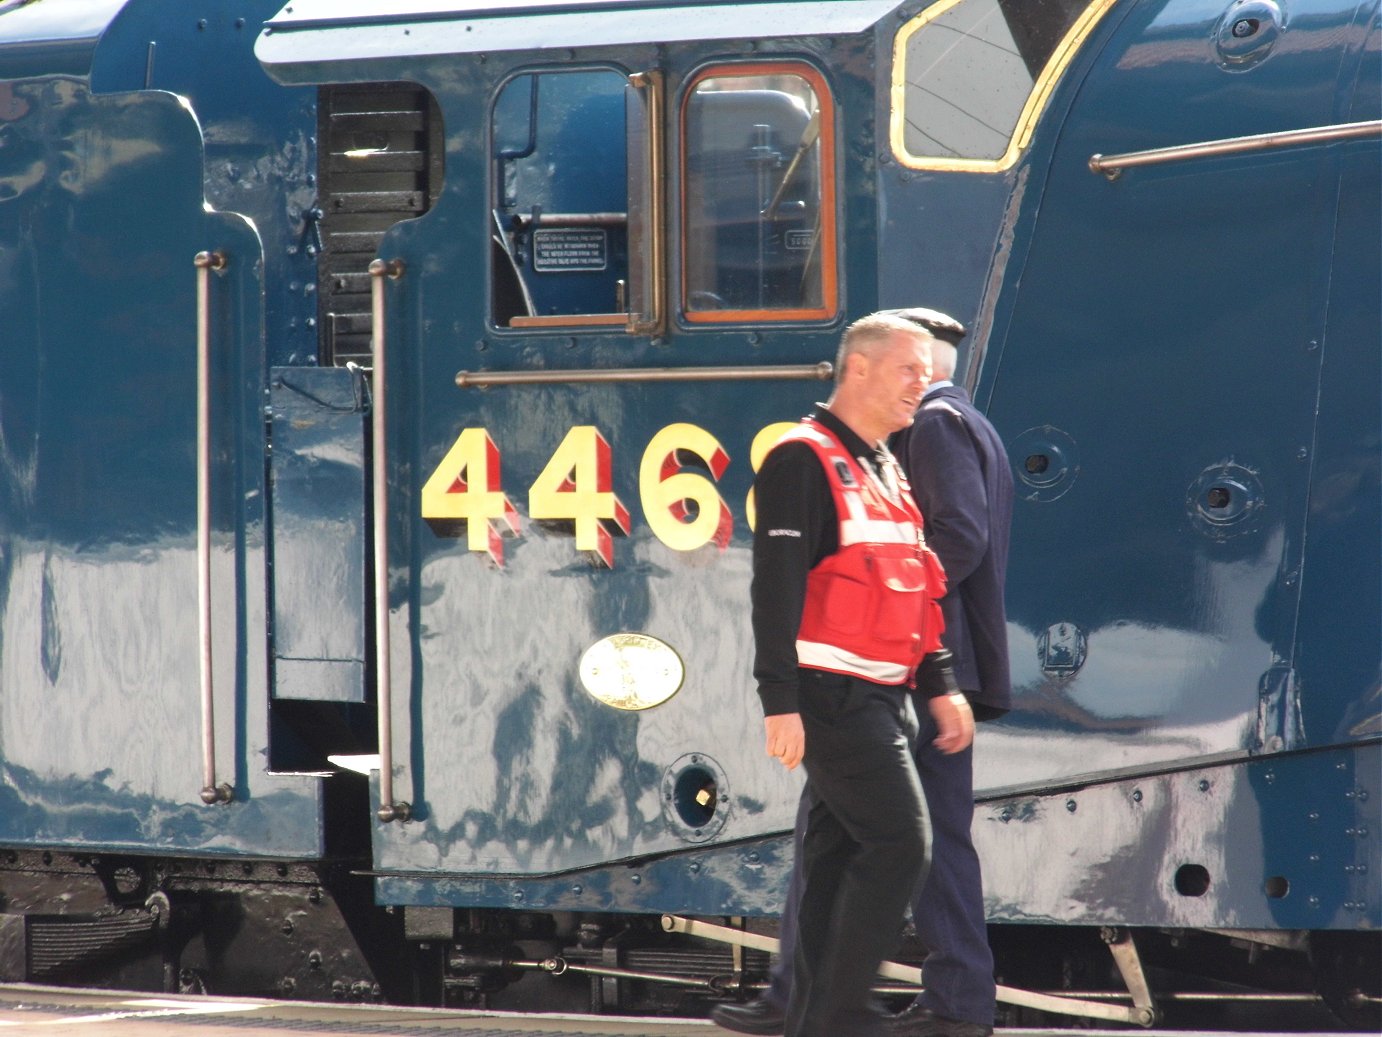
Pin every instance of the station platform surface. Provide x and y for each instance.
(34, 1011)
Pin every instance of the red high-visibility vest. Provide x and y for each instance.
(871, 607)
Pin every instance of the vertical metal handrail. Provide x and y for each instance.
(206, 262)
(388, 809)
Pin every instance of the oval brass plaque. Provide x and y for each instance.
(631, 671)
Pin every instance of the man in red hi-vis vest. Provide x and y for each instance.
(846, 624)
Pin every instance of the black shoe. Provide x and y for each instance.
(916, 1021)
(760, 1017)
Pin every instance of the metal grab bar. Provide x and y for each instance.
(1112, 166)
(823, 372)
(206, 262)
(388, 809)
(1137, 1014)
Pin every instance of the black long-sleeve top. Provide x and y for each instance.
(796, 527)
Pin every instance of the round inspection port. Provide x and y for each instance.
(1192, 880)
(1225, 500)
(1045, 462)
(695, 797)
(1276, 886)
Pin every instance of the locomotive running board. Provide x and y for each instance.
(1140, 1013)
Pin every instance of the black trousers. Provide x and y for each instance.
(863, 853)
(948, 906)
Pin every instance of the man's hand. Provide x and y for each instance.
(955, 720)
(787, 738)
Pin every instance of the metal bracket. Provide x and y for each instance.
(1124, 951)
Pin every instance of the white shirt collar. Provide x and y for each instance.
(944, 383)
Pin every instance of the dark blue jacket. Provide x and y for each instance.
(962, 483)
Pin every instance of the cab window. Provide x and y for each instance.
(970, 77)
(758, 205)
(574, 200)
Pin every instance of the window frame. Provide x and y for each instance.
(650, 85)
(828, 244)
(1021, 137)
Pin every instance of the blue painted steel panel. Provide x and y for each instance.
(509, 764)
(1287, 842)
(101, 213)
(259, 138)
(56, 37)
(1159, 371)
(1153, 629)
(317, 475)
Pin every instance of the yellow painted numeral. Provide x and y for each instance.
(684, 509)
(576, 487)
(465, 488)
(763, 442)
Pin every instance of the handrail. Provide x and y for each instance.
(211, 793)
(1112, 166)
(388, 809)
(823, 371)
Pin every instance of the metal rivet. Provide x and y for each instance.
(1070, 805)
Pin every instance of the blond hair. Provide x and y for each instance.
(867, 333)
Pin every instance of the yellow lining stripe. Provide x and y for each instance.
(1026, 122)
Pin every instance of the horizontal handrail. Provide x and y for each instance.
(1113, 165)
(823, 371)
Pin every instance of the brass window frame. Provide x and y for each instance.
(650, 84)
(829, 237)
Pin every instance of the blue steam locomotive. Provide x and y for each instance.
(381, 387)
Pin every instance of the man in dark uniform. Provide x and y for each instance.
(844, 620)
(964, 488)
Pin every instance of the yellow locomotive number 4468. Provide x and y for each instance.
(676, 483)
(465, 488)
(577, 487)
(684, 509)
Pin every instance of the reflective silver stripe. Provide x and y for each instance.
(807, 432)
(858, 527)
(831, 657)
(858, 510)
(876, 531)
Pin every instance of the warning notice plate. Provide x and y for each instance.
(555, 249)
